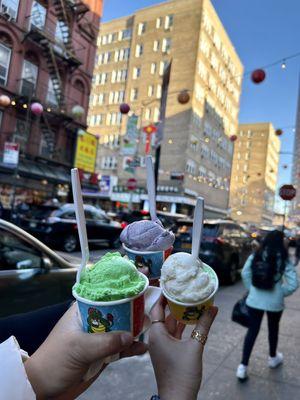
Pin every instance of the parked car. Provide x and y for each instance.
(31, 274)
(58, 229)
(225, 245)
(167, 219)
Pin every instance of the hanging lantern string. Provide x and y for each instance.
(267, 66)
(277, 62)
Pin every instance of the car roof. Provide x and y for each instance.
(32, 240)
(71, 206)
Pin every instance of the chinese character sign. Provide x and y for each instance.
(130, 139)
(86, 152)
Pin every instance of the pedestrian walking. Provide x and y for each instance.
(270, 277)
(297, 250)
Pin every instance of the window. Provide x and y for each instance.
(158, 22)
(153, 68)
(109, 162)
(119, 76)
(199, 92)
(136, 73)
(92, 120)
(148, 113)
(38, 15)
(104, 58)
(156, 45)
(104, 39)
(194, 143)
(162, 67)
(52, 97)
(156, 115)
(150, 90)
(190, 167)
(158, 91)
(202, 171)
(29, 78)
(99, 119)
(166, 45)
(122, 54)
(139, 50)
(103, 78)
(141, 28)
(169, 21)
(101, 98)
(113, 118)
(62, 35)
(5, 53)
(21, 133)
(204, 46)
(16, 253)
(134, 94)
(126, 34)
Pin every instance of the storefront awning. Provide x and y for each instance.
(43, 171)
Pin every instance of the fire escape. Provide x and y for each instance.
(56, 53)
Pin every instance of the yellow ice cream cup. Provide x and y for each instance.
(190, 313)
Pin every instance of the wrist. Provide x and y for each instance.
(173, 393)
(34, 378)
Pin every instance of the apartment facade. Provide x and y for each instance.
(196, 152)
(47, 52)
(254, 173)
(295, 209)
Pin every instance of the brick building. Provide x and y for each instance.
(47, 52)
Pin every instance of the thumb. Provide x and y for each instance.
(96, 346)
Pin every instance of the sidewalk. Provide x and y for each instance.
(134, 378)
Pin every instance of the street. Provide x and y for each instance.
(134, 378)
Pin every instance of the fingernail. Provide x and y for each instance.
(126, 338)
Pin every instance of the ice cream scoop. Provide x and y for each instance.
(113, 277)
(147, 236)
(187, 279)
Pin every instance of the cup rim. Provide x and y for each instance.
(112, 302)
(168, 297)
(142, 252)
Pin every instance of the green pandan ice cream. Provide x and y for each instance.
(113, 277)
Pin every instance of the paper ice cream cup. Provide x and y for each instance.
(119, 315)
(153, 260)
(190, 313)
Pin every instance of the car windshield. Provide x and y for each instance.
(210, 230)
(41, 212)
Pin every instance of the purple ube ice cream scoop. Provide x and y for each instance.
(147, 236)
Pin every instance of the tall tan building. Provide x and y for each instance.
(196, 152)
(254, 173)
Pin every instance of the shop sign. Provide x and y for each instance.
(104, 185)
(124, 189)
(86, 152)
(11, 154)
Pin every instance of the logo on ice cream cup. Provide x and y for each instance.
(119, 315)
(153, 260)
(190, 313)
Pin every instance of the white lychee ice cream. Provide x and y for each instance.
(186, 279)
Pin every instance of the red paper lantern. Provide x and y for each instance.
(278, 132)
(183, 97)
(4, 100)
(258, 76)
(124, 108)
(36, 108)
(233, 138)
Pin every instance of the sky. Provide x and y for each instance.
(262, 32)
